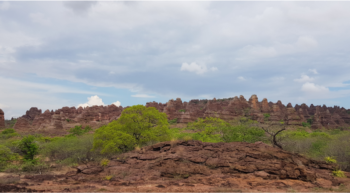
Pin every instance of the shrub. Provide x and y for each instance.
(187, 138)
(104, 162)
(8, 133)
(108, 178)
(330, 160)
(70, 150)
(339, 173)
(306, 124)
(28, 147)
(266, 116)
(182, 110)
(78, 130)
(6, 156)
(38, 167)
(173, 121)
(138, 125)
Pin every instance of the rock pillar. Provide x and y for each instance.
(2, 119)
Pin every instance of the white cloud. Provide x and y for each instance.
(4, 5)
(213, 68)
(258, 51)
(92, 101)
(313, 88)
(241, 78)
(79, 6)
(304, 78)
(306, 43)
(95, 100)
(116, 103)
(193, 67)
(303, 44)
(142, 96)
(313, 71)
(40, 18)
(196, 68)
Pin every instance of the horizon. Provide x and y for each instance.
(56, 54)
(84, 106)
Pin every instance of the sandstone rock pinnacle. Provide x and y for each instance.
(2, 119)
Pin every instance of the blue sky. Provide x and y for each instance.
(55, 54)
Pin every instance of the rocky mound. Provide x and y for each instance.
(182, 165)
(190, 166)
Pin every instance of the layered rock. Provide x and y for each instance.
(31, 113)
(231, 108)
(227, 109)
(2, 119)
(58, 122)
(244, 166)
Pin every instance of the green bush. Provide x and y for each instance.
(6, 156)
(138, 125)
(28, 147)
(78, 130)
(182, 110)
(266, 116)
(339, 173)
(8, 133)
(306, 124)
(330, 159)
(70, 150)
(173, 121)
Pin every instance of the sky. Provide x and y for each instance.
(56, 54)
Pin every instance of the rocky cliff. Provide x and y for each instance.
(228, 109)
(59, 121)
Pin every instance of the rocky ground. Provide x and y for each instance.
(191, 166)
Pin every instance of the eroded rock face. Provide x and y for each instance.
(60, 121)
(227, 109)
(31, 113)
(2, 119)
(231, 108)
(22, 124)
(238, 164)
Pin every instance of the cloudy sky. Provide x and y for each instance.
(55, 54)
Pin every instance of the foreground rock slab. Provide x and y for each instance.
(192, 166)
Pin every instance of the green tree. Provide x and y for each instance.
(138, 125)
(28, 147)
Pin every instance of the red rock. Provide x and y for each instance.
(22, 124)
(184, 112)
(2, 119)
(30, 115)
(214, 164)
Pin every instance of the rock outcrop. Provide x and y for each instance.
(231, 108)
(2, 119)
(61, 120)
(239, 165)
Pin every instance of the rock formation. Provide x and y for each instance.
(238, 165)
(58, 122)
(228, 109)
(61, 120)
(2, 119)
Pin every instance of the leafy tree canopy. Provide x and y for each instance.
(28, 147)
(138, 125)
